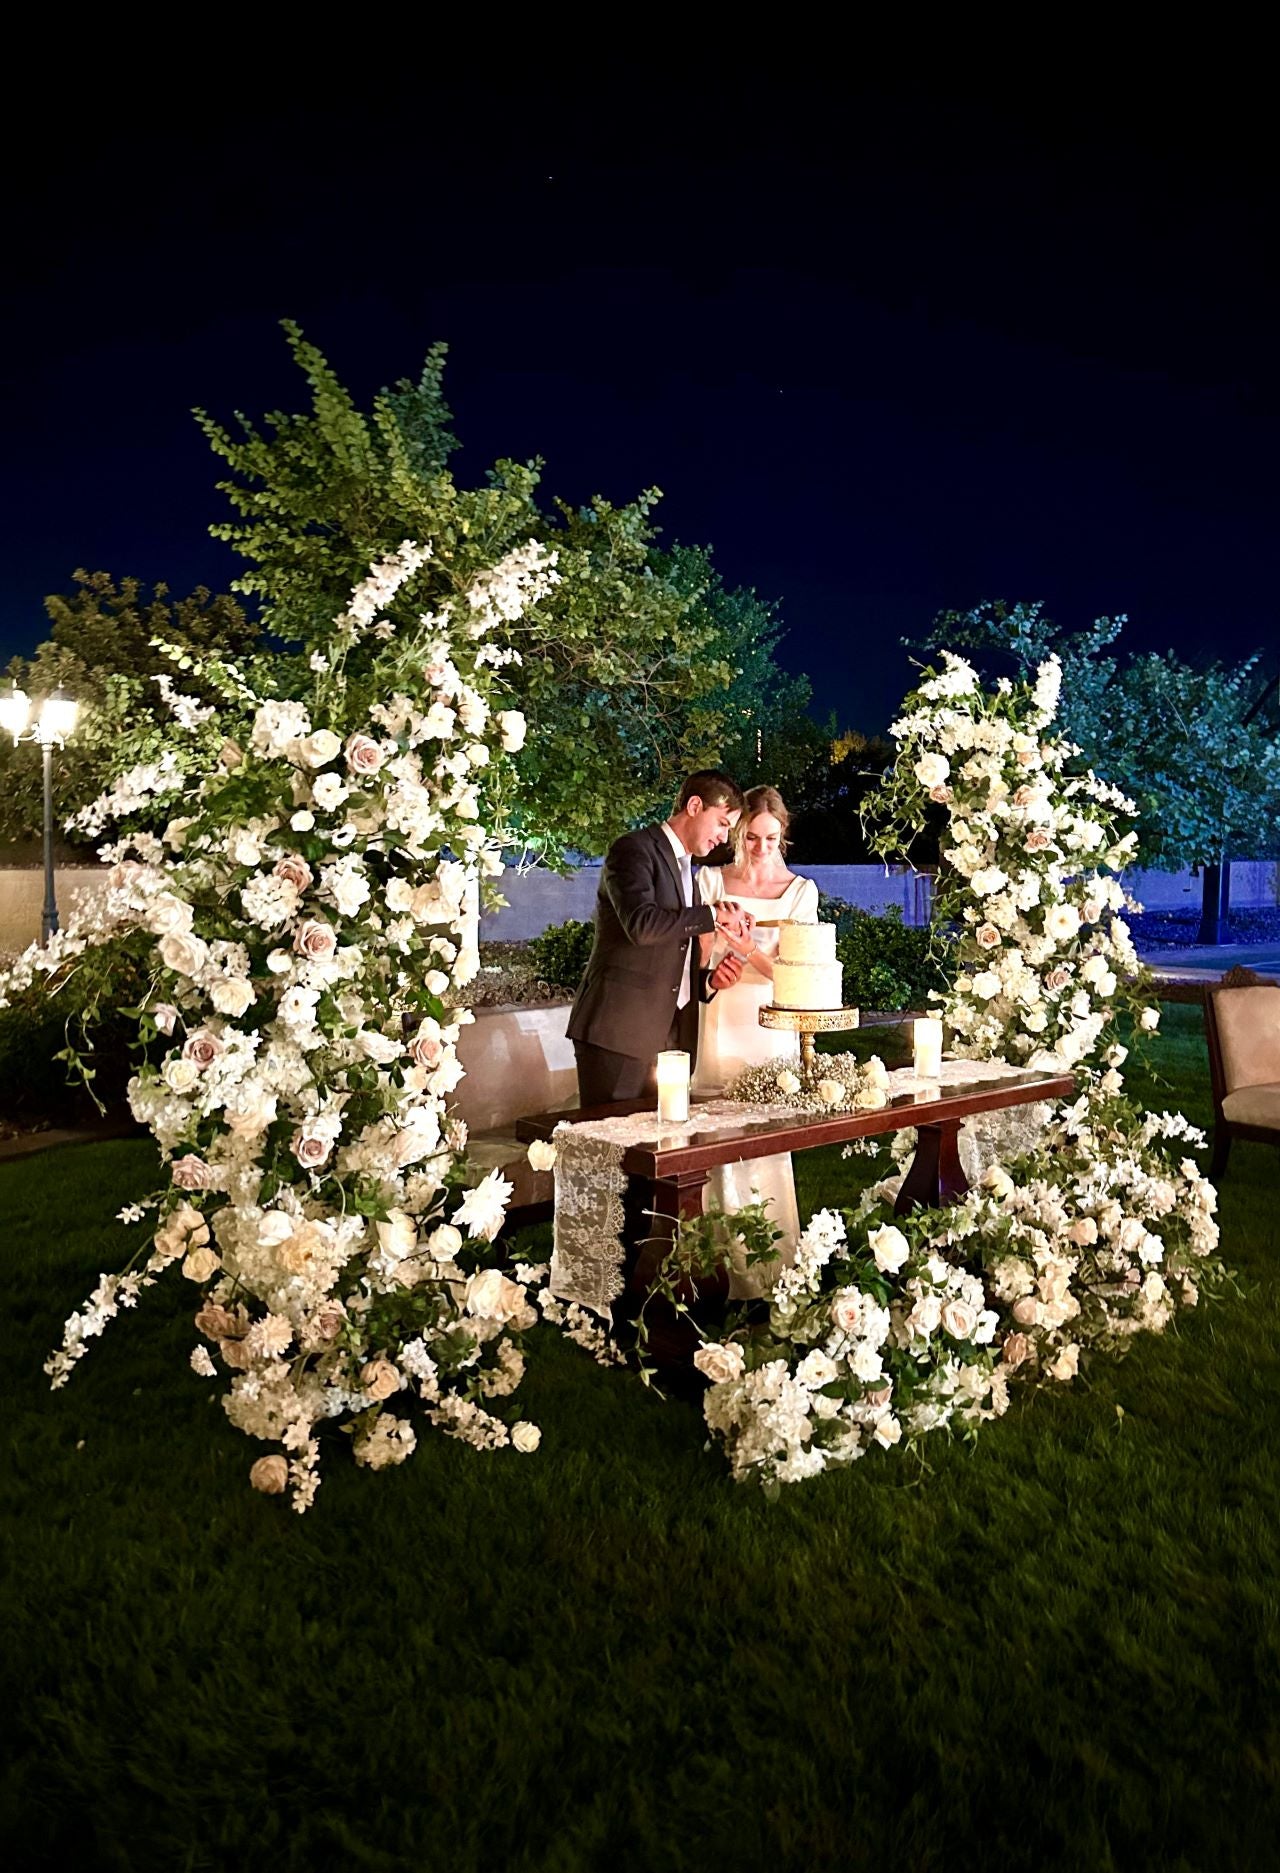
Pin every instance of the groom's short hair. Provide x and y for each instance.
(713, 787)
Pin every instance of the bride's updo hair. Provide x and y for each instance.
(761, 800)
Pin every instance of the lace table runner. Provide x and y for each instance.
(587, 1258)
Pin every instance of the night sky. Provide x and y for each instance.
(884, 350)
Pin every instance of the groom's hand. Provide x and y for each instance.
(726, 973)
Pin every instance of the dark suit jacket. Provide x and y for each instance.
(627, 997)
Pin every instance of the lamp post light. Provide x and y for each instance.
(54, 721)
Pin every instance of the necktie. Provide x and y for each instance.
(686, 886)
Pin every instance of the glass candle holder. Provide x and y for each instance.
(928, 1048)
(673, 1086)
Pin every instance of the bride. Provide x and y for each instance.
(731, 1037)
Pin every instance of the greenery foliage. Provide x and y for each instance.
(1081, 1605)
(638, 666)
(888, 965)
(561, 952)
(103, 649)
(1173, 736)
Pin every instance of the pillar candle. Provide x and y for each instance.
(928, 1048)
(673, 1087)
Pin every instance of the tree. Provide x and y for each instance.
(102, 648)
(629, 666)
(1185, 742)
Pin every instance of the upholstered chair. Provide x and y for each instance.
(1242, 1024)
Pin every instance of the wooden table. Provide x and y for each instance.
(675, 1165)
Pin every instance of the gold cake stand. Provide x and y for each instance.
(806, 1022)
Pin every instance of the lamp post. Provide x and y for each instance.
(54, 721)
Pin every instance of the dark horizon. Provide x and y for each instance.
(914, 358)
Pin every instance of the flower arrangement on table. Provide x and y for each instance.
(887, 1328)
(306, 923)
(839, 1082)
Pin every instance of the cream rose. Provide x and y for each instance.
(490, 1296)
(887, 1431)
(720, 1363)
(542, 1155)
(364, 756)
(1017, 1347)
(1083, 1232)
(788, 1082)
(380, 1379)
(270, 1475)
(181, 1075)
(232, 995)
(1067, 1364)
(1026, 1311)
(425, 1048)
(185, 955)
(293, 869)
(889, 1247)
(201, 1264)
(444, 1242)
(1149, 1019)
(192, 1173)
(931, 770)
(525, 1437)
(847, 1311)
(315, 939)
(998, 1181)
(988, 936)
(831, 1092)
(513, 728)
(319, 748)
(959, 1320)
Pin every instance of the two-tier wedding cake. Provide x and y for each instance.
(806, 973)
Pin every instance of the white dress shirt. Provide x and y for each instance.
(686, 884)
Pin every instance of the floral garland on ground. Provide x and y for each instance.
(305, 927)
(887, 1328)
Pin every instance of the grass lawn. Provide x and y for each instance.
(1057, 1649)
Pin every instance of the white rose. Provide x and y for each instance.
(788, 1082)
(998, 1181)
(318, 749)
(490, 1296)
(959, 1320)
(243, 846)
(831, 1092)
(165, 1017)
(168, 915)
(525, 1437)
(398, 1236)
(200, 1264)
(315, 940)
(185, 955)
(1083, 1232)
(720, 1363)
(231, 995)
(1149, 1019)
(1061, 922)
(328, 792)
(1067, 1364)
(871, 1098)
(279, 962)
(816, 1369)
(542, 1155)
(513, 727)
(444, 1242)
(932, 769)
(987, 984)
(847, 1310)
(887, 1431)
(988, 879)
(181, 1075)
(889, 1247)
(311, 1148)
(303, 820)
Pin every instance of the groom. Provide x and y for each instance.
(643, 982)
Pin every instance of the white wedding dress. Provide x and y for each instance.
(730, 1038)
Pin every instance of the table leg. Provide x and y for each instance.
(672, 1339)
(936, 1175)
